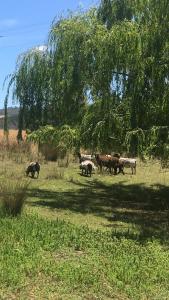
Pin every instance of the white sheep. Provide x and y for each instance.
(87, 167)
(129, 163)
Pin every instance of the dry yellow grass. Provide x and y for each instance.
(12, 136)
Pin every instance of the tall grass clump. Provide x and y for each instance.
(63, 163)
(13, 194)
(56, 173)
(19, 153)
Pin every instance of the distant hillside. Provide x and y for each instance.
(12, 118)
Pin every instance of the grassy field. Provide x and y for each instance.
(104, 237)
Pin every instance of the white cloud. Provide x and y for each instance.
(8, 23)
(41, 48)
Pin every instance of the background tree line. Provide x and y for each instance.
(105, 74)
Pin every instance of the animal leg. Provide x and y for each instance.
(115, 170)
(121, 170)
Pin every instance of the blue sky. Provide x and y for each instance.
(25, 24)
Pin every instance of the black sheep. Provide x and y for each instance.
(34, 167)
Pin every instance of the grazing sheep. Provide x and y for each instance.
(87, 167)
(129, 163)
(34, 167)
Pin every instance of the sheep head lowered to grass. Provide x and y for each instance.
(87, 167)
(34, 167)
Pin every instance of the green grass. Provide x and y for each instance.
(138, 203)
(104, 237)
(77, 261)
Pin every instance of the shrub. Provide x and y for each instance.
(12, 195)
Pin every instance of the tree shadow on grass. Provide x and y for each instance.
(136, 204)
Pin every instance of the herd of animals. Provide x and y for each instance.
(114, 163)
(88, 163)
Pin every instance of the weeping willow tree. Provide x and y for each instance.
(31, 89)
(102, 130)
(67, 41)
(130, 55)
(157, 142)
(147, 75)
(105, 71)
(90, 59)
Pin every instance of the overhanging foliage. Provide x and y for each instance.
(105, 71)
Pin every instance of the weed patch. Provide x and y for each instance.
(13, 194)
